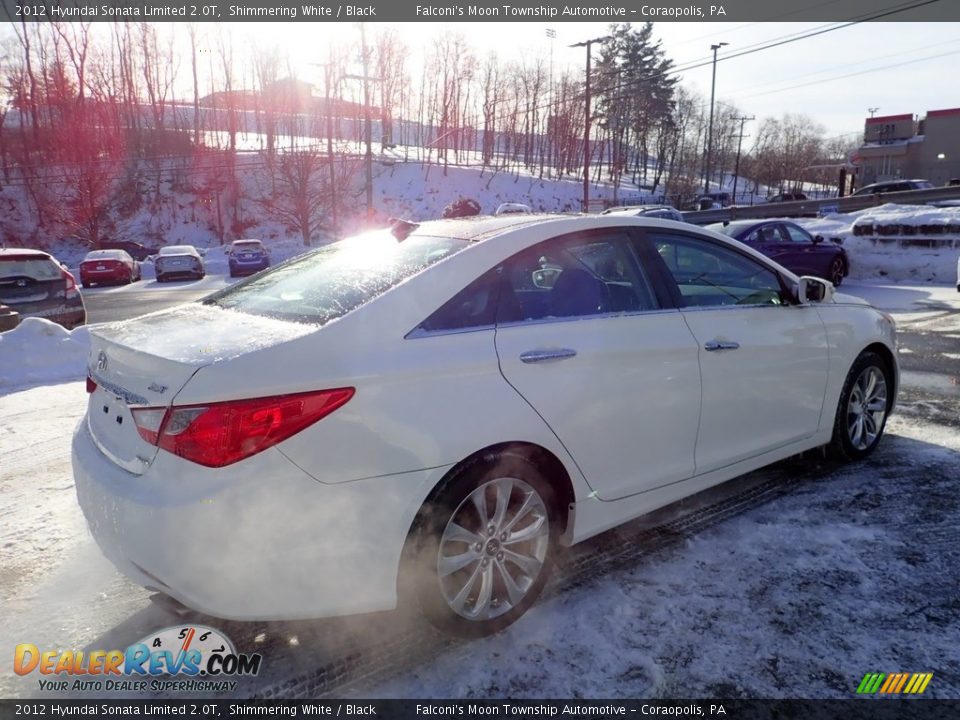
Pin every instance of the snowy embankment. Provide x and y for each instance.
(39, 351)
(885, 242)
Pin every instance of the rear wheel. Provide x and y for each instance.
(837, 271)
(863, 407)
(481, 548)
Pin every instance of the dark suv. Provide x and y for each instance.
(890, 186)
(137, 250)
(34, 284)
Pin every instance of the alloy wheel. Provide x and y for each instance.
(867, 408)
(493, 549)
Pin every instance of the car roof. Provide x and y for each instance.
(25, 251)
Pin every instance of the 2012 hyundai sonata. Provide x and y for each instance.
(434, 409)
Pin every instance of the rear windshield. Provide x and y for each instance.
(330, 282)
(178, 250)
(37, 268)
(105, 255)
(248, 245)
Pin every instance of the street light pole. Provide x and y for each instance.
(586, 122)
(713, 86)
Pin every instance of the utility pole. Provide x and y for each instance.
(552, 34)
(328, 80)
(872, 111)
(713, 87)
(586, 122)
(736, 168)
(368, 155)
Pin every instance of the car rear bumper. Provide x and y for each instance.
(70, 314)
(249, 267)
(258, 540)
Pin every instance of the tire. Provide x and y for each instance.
(483, 589)
(837, 271)
(863, 409)
(86, 284)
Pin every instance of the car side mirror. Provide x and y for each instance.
(814, 290)
(817, 239)
(837, 240)
(203, 252)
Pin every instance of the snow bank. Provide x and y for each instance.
(39, 351)
(873, 238)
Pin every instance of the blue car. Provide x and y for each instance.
(791, 246)
(247, 257)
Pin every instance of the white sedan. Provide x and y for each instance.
(429, 411)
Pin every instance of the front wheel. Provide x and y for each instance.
(862, 411)
(481, 548)
(837, 271)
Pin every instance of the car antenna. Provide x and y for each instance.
(401, 229)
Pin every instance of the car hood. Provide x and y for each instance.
(844, 299)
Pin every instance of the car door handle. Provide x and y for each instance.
(535, 356)
(718, 345)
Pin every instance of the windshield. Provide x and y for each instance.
(333, 280)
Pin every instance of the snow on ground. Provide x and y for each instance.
(853, 570)
(845, 570)
(39, 351)
(870, 260)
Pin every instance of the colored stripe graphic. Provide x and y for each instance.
(870, 683)
(894, 683)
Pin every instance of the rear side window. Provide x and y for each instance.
(31, 267)
(330, 282)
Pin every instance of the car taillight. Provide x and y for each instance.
(219, 434)
(71, 288)
(91, 384)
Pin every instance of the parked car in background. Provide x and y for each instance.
(665, 212)
(247, 256)
(890, 186)
(513, 209)
(787, 197)
(424, 413)
(9, 318)
(138, 251)
(101, 267)
(35, 284)
(180, 261)
(791, 246)
(712, 201)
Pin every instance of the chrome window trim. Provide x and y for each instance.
(419, 332)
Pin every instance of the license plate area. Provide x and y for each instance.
(115, 433)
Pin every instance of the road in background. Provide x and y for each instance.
(109, 304)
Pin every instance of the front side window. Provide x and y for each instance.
(708, 274)
(330, 282)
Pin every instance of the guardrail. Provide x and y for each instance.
(813, 208)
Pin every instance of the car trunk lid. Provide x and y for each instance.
(144, 363)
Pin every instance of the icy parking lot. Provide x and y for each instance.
(790, 582)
